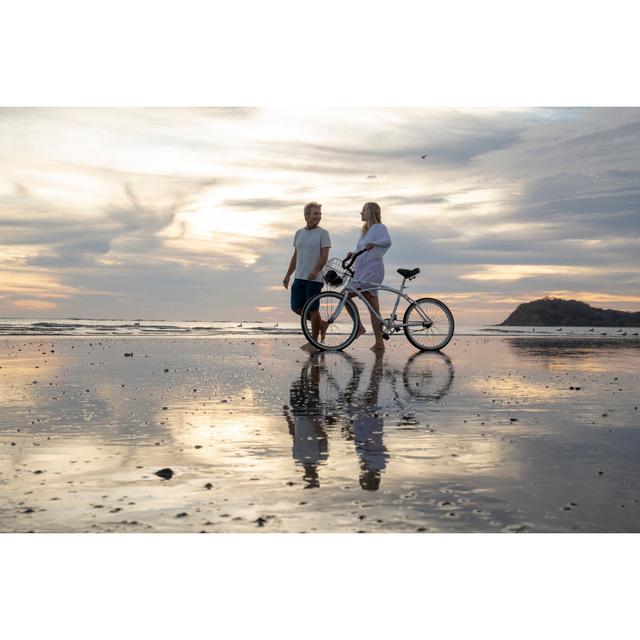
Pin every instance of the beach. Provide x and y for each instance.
(494, 434)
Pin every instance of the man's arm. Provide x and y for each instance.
(324, 255)
(291, 269)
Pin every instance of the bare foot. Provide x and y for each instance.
(361, 331)
(323, 329)
(308, 347)
(378, 348)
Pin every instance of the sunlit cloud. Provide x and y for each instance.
(33, 283)
(34, 305)
(512, 272)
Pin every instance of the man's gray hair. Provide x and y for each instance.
(309, 206)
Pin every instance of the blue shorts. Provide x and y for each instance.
(303, 290)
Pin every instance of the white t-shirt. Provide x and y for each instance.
(309, 243)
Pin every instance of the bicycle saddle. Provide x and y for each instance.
(409, 273)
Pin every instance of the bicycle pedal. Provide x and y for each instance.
(385, 336)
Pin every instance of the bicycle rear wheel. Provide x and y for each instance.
(428, 324)
(338, 321)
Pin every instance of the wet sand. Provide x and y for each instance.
(495, 434)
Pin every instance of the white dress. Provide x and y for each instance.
(369, 267)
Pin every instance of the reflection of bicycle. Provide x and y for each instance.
(337, 375)
(427, 323)
(428, 376)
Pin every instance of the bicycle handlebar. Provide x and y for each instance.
(352, 259)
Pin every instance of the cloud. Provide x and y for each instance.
(34, 305)
(260, 203)
(513, 272)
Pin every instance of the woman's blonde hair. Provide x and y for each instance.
(374, 215)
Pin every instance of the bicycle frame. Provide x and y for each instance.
(391, 322)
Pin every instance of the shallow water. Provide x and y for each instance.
(490, 436)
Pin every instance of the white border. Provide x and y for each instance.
(350, 53)
(330, 53)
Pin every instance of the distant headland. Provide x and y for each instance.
(549, 312)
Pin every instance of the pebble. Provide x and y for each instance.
(165, 474)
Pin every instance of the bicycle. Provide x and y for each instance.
(427, 323)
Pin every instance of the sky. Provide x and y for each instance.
(189, 213)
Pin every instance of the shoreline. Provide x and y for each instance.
(282, 335)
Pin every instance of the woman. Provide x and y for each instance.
(369, 268)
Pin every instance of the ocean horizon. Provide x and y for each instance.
(118, 327)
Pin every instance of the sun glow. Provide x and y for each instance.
(33, 283)
(34, 305)
(513, 272)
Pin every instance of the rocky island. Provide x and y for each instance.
(550, 311)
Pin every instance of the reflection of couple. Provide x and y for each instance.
(305, 420)
(312, 244)
(310, 446)
(368, 426)
(327, 390)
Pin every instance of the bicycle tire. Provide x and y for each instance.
(428, 375)
(346, 328)
(434, 340)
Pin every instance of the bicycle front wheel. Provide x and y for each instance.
(335, 324)
(428, 324)
(428, 376)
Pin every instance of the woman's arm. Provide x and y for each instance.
(379, 241)
(380, 236)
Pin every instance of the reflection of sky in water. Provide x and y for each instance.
(489, 437)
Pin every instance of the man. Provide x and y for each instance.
(311, 250)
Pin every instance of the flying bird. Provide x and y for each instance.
(426, 155)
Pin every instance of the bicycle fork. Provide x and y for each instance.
(338, 310)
